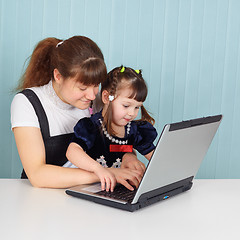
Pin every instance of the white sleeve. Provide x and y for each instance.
(23, 113)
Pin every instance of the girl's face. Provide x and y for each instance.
(75, 93)
(124, 109)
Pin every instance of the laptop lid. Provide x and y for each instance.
(180, 150)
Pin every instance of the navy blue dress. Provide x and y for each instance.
(89, 135)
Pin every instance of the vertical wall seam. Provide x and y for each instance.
(161, 68)
(139, 28)
(175, 63)
(200, 62)
(150, 70)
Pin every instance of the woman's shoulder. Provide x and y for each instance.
(21, 102)
(21, 97)
(22, 112)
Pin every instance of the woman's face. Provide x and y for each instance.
(75, 93)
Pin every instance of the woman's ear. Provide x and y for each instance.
(105, 97)
(57, 75)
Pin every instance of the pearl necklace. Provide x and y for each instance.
(112, 139)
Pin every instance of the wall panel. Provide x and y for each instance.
(188, 50)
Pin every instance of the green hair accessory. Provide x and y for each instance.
(137, 71)
(122, 69)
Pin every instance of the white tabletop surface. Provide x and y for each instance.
(210, 210)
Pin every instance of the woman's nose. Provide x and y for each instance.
(91, 94)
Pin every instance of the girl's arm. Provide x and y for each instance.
(32, 154)
(79, 158)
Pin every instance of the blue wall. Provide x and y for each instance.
(188, 49)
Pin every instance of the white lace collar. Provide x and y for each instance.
(53, 97)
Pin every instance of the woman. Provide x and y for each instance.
(61, 80)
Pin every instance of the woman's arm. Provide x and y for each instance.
(131, 161)
(79, 158)
(127, 177)
(32, 154)
(149, 155)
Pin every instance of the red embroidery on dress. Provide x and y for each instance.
(120, 148)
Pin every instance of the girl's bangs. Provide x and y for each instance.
(139, 90)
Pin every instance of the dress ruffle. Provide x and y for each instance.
(86, 131)
(144, 136)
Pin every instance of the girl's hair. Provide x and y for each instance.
(125, 78)
(77, 56)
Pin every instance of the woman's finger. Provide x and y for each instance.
(126, 184)
(103, 184)
(113, 183)
(108, 183)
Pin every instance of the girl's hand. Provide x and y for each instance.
(80, 159)
(127, 177)
(130, 161)
(107, 178)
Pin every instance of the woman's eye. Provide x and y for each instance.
(126, 106)
(83, 89)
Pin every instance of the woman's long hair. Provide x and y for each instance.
(77, 56)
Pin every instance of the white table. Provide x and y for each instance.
(210, 210)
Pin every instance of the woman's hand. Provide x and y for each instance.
(107, 178)
(130, 160)
(127, 177)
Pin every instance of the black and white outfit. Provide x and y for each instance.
(92, 136)
(41, 107)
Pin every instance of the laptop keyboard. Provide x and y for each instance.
(120, 193)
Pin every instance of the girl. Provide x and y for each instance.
(107, 135)
(60, 81)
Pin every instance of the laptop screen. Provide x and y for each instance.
(179, 152)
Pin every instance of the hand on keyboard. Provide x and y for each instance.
(120, 193)
(107, 178)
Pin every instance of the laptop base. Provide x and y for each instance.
(145, 199)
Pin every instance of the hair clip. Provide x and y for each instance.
(59, 44)
(137, 71)
(122, 69)
(111, 98)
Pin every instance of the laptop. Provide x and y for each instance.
(179, 152)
